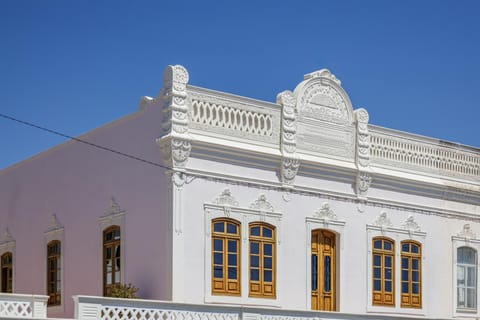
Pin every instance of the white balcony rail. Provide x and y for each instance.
(87, 307)
(235, 117)
(429, 156)
(24, 306)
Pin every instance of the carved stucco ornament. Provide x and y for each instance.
(382, 220)
(176, 144)
(410, 224)
(467, 232)
(325, 212)
(226, 199)
(261, 204)
(290, 162)
(54, 224)
(6, 237)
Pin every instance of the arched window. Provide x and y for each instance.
(225, 257)
(262, 260)
(7, 272)
(466, 278)
(111, 259)
(383, 255)
(54, 268)
(411, 262)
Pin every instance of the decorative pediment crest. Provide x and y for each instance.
(6, 237)
(382, 220)
(321, 97)
(226, 199)
(410, 224)
(325, 212)
(113, 208)
(54, 224)
(467, 232)
(261, 204)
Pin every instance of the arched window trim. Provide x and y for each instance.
(5, 286)
(411, 256)
(226, 239)
(458, 242)
(263, 241)
(7, 244)
(57, 272)
(111, 244)
(217, 209)
(55, 232)
(114, 216)
(397, 234)
(383, 266)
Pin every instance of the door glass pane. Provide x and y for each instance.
(388, 274)
(404, 275)
(388, 261)
(376, 260)
(415, 288)
(415, 264)
(471, 277)
(471, 298)
(218, 244)
(267, 262)
(377, 285)
(314, 272)
(218, 258)
(376, 272)
(218, 272)
(255, 231)
(415, 276)
(404, 287)
(387, 245)
(377, 244)
(326, 273)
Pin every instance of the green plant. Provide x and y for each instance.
(123, 290)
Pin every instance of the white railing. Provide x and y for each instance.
(234, 117)
(23, 306)
(430, 156)
(87, 307)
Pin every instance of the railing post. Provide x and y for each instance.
(39, 306)
(86, 310)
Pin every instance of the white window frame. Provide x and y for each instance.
(55, 231)
(397, 235)
(458, 242)
(244, 216)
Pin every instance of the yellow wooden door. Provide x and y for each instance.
(323, 270)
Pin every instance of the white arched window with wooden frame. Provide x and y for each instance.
(111, 259)
(226, 279)
(6, 260)
(383, 264)
(54, 272)
(466, 278)
(262, 260)
(411, 274)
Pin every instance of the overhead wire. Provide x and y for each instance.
(58, 133)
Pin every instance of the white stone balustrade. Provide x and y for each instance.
(24, 306)
(399, 150)
(88, 307)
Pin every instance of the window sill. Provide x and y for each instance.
(243, 301)
(396, 310)
(466, 310)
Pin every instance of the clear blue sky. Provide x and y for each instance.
(75, 65)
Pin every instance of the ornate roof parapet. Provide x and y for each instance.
(177, 146)
(288, 140)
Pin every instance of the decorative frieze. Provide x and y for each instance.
(54, 225)
(6, 237)
(410, 224)
(325, 212)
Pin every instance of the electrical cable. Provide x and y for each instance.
(83, 141)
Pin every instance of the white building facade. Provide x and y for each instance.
(273, 210)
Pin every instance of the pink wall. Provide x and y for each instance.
(76, 181)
